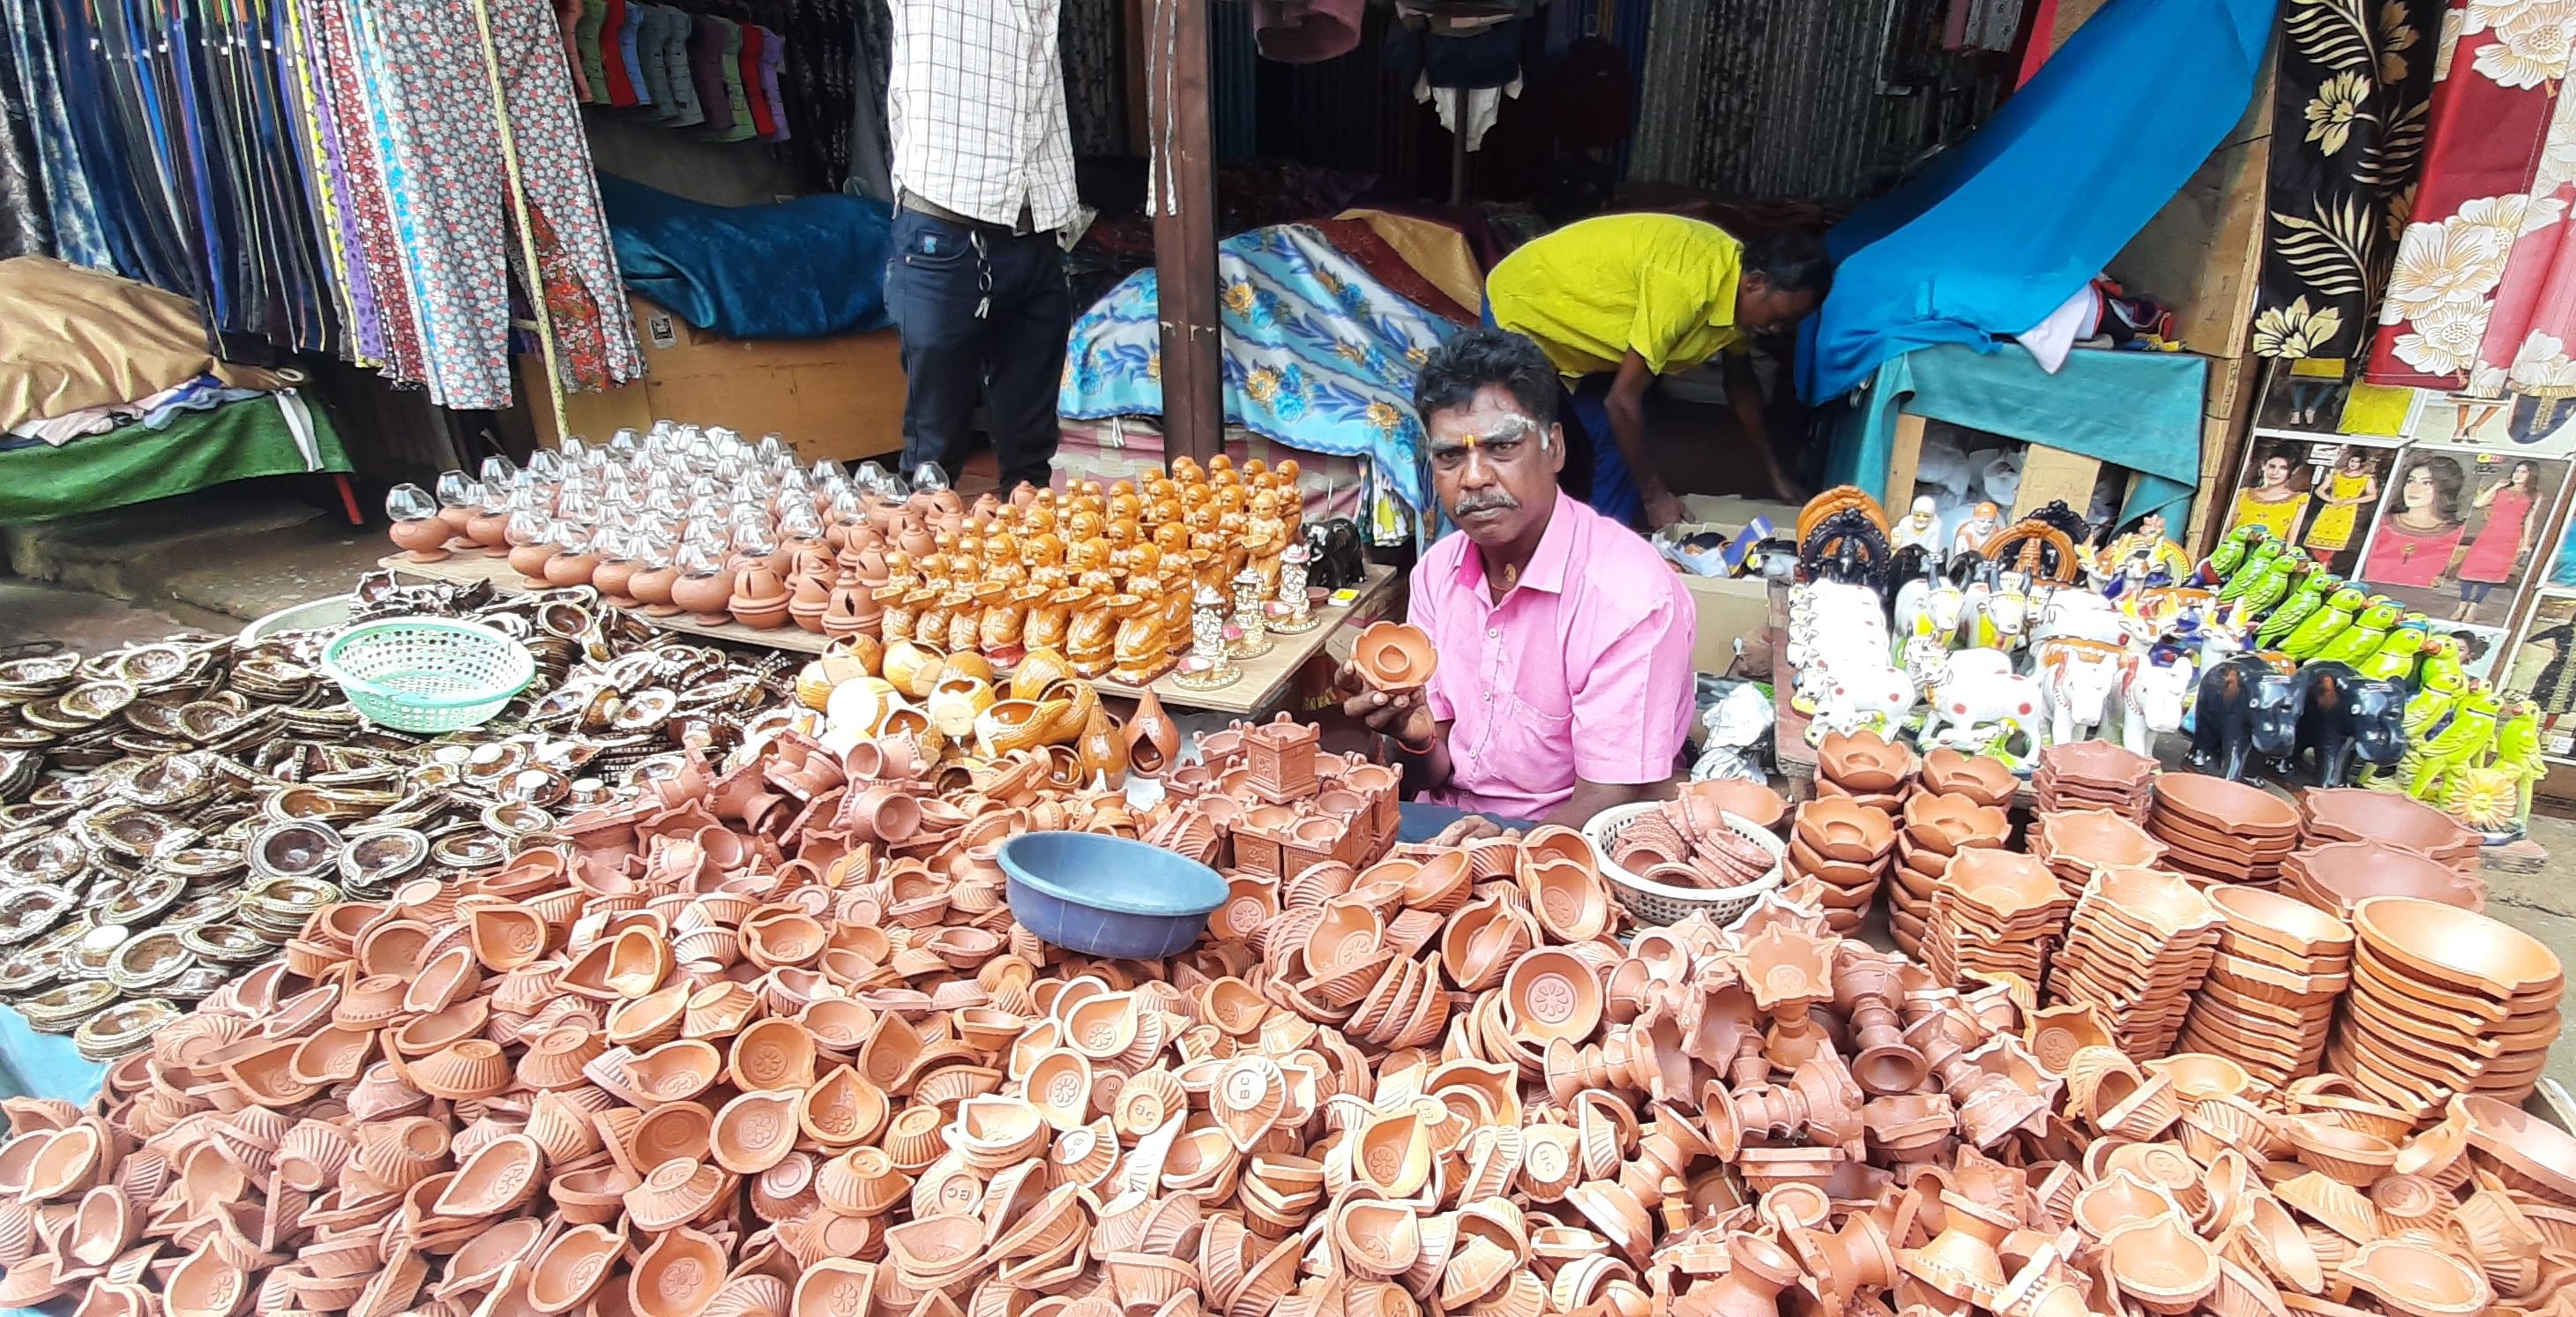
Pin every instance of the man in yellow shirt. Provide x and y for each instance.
(1619, 299)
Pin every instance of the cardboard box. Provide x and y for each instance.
(1729, 607)
(838, 397)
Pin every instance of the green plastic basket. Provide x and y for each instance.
(428, 674)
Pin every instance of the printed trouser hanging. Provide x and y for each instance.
(447, 168)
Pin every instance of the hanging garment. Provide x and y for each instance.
(678, 41)
(48, 184)
(456, 221)
(25, 229)
(747, 62)
(773, 58)
(568, 18)
(612, 53)
(1997, 231)
(2354, 80)
(629, 32)
(2483, 196)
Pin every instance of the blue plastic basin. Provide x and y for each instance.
(1108, 896)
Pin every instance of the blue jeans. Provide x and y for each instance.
(983, 315)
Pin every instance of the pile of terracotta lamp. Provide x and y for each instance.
(2137, 947)
(2074, 843)
(752, 1033)
(1934, 830)
(2391, 818)
(2094, 775)
(2222, 831)
(2279, 968)
(1846, 846)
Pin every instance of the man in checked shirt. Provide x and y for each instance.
(983, 175)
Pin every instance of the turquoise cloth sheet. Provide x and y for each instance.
(2141, 410)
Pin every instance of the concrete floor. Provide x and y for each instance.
(129, 577)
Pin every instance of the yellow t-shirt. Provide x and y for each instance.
(1590, 291)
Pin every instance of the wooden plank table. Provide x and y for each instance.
(1264, 679)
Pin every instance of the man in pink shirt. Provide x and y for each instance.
(1564, 685)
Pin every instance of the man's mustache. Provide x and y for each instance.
(1496, 501)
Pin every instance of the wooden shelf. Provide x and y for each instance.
(1262, 681)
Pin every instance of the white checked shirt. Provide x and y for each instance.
(975, 103)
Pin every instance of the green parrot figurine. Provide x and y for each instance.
(2399, 651)
(2469, 734)
(2299, 607)
(2223, 561)
(2312, 632)
(2364, 634)
(2518, 750)
(2257, 563)
(2425, 710)
(2284, 576)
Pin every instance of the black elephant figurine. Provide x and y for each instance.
(1340, 557)
(2246, 707)
(2344, 717)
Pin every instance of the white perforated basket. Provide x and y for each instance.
(1663, 903)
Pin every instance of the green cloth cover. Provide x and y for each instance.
(132, 464)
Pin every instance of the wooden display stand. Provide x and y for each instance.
(838, 397)
(1264, 681)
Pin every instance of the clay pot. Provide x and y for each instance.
(705, 596)
(421, 540)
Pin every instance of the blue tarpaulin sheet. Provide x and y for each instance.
(807, 268)
(1998, 231)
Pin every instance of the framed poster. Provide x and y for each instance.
(2316, 492)
(2542, 668)
(2518, 423)
(2457, 531)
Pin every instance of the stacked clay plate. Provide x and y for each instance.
(2136, 949)
(1846, 846)
(2357, 814)
(2222, 831)
(2268, 1002)
(1935, 828)
(2094, 775)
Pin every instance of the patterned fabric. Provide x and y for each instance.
(2493, 198)
(1317, 354)
(445, 137)
(25, 229)
(2354, 78)
(57, 193)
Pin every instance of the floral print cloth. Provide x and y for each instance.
(1316, 354)
(2482, 295)
(2353, 82)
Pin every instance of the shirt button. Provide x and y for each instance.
(1494, 635)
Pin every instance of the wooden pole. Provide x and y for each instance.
(1184, 200)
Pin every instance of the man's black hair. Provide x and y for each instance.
(1792, 262)
(1478, 357)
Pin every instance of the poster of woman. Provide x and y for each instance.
(2275, 493)
(2347, 489)
(2457, 530)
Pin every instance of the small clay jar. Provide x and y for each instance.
(422, 539)
(652, 587)
(705, 595)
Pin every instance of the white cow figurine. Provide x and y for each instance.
(2151, 697)
(1976, 697)
(2077, 687)
(1858, 697)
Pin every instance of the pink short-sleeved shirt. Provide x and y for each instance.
(1583, 670)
